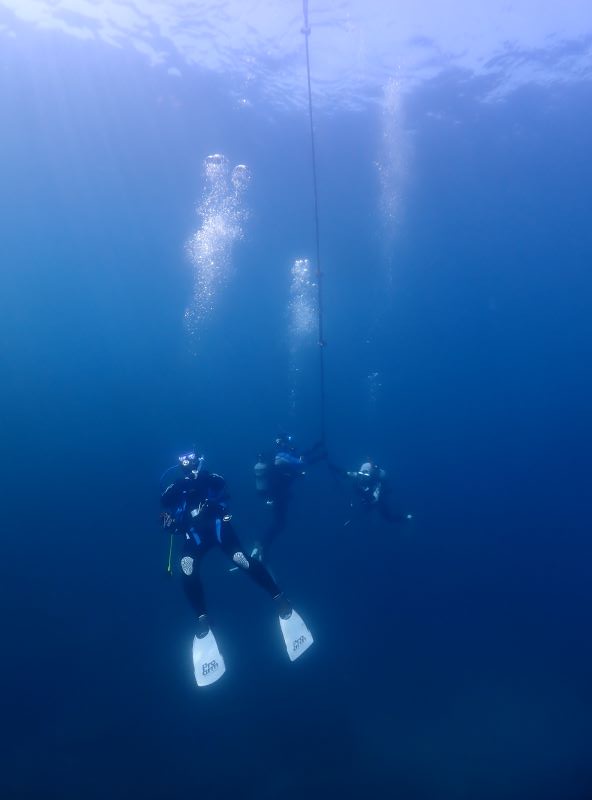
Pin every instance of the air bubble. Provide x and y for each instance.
(303, 301)
(222, 217)
(215, 167)
(241, 177)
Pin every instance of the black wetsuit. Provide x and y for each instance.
(281, 474)
(198, 506)
(372, 491)
(376, 496)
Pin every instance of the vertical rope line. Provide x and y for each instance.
(319, 274)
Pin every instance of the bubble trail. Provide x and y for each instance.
(303, 320)
(222, 214)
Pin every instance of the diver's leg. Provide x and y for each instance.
(279, 509)
(231, 545)
(192, 555)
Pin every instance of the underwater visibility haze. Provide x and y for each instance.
(159, 292)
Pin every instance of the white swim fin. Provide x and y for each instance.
(207, 660)
(296, 635)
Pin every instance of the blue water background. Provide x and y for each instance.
(452, 659)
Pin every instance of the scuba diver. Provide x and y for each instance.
(371, 491)
(273, 482)
(196, 507)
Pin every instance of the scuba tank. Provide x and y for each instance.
(260, 475)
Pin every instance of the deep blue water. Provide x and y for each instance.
(452, 659)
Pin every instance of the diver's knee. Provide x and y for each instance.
(187, 565)
(241, 560)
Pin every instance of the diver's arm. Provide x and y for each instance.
(171, 496)
(391, 516)
(385, 509)
(217, 491)
(342, 473)
(288, 458)
(315, 453)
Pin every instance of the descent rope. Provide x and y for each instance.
(319, 274)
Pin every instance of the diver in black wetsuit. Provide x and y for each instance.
(196, 507)
(371, 490)
(274, 481)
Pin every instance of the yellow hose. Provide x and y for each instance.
(170, 567)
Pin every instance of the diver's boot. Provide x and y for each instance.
(283, 606)
(203, 626)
